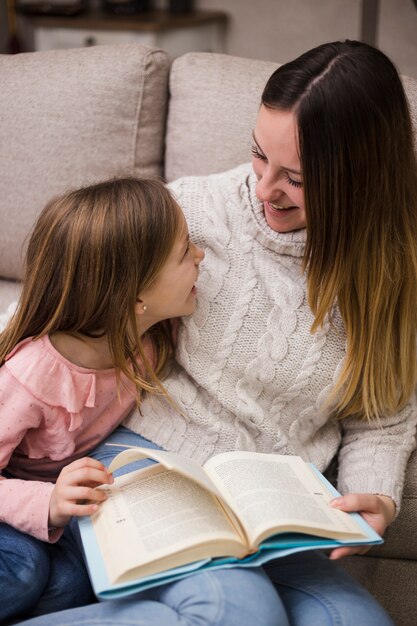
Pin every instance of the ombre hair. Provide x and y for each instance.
(360, 186)
(90, 255)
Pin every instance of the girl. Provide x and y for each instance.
(105, 266)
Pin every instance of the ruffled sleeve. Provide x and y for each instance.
(50, 378)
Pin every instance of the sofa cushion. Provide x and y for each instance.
(212, 111)
(74, 117)
(410, 86)
(391, 581)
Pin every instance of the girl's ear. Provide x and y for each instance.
(140, 308)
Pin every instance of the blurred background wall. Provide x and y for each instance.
(279, 30)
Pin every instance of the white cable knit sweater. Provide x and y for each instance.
(249, 374)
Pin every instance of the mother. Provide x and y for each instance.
(304, 338)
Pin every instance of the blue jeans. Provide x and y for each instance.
(302, 590)
(38, 577)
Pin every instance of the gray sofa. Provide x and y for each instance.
(71, 117)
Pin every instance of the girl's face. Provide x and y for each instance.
(276, 162)
(173, 293)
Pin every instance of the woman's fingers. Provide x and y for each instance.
(378, 511)
(339, 553)
(357, 502)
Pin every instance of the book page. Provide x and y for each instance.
(170, 460)
(154, 519)
(277, 493)
(182, 464)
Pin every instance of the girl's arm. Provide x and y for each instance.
(22, 503)
(26, 504)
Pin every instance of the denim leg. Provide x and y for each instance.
(319, 592)
(235, 597)
(223, 597)
(24, 571)
(125, 437)
(68, 584)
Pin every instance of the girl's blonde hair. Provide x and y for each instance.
(360, 186)
(90, 255)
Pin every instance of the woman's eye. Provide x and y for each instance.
(257, 154)
(294, 183)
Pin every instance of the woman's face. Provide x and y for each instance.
(276, 162)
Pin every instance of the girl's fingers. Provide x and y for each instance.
(86, 475)
(74, 501)
(75, 493)
(69, 509)
(83, 463)
(81, 493)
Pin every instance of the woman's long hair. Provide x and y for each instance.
(360, 186)
(90, 255)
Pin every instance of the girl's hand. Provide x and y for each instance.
(74, 492)
(378, 511)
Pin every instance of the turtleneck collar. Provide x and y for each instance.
(292, 243)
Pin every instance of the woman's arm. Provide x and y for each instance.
(374, 454)
(372, 462)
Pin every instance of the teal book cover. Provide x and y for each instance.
(241, 509)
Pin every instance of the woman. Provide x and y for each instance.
(303, 340)
(304, 337)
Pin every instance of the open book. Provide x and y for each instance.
(173, 518)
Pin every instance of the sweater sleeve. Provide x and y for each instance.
(24, 504)
(374, 455)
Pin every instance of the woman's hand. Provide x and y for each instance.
(74, 492)
(378, 511)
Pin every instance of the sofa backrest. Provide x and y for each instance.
(214, 100)
(70, 118)
(73, 117)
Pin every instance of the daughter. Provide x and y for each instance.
(105, 266)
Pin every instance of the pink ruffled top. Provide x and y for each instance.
(51, 413)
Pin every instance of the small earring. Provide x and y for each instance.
(144, 307)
